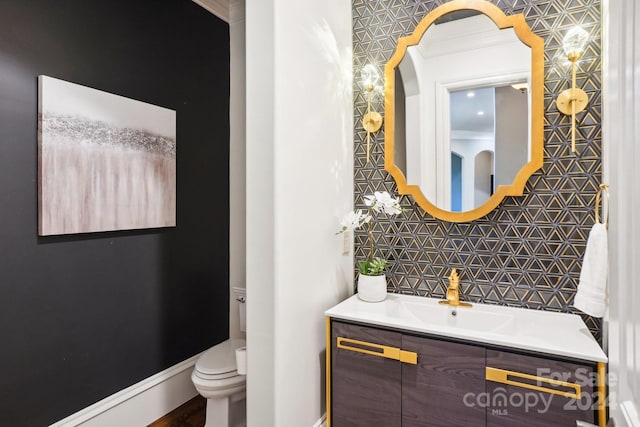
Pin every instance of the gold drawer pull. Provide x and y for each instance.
(502, 376)
(378, 350)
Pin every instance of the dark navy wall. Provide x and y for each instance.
(84, 316)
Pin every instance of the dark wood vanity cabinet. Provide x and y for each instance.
(388, 378)
(434, 390)
(538, 391)
(365, 387)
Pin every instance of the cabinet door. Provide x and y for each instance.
(365, 388)
(441, 389)
(535, 391)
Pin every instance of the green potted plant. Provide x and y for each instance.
(372, 282)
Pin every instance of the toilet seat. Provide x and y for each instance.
(219, 362)
(219, 387)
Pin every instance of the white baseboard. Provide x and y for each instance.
(140, 404)
(322, 422)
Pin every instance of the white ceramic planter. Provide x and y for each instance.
(372, 288)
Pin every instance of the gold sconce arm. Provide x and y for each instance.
(372, 120)
(573, 100)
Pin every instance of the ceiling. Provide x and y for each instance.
(473, 110)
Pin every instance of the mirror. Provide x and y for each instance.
(464, 109)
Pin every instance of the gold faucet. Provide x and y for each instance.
(453, 292)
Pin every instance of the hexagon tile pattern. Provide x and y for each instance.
(528, 252)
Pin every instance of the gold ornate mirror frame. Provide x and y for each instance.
(525, 35)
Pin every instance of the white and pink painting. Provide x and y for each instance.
(105, 162)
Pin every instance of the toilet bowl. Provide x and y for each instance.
(216, 378)
(215, 374)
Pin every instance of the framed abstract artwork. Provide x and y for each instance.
(105, 162)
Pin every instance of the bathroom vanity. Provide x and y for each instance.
(409, 361)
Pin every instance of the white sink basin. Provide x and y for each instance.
(470, 318)
(553, 333)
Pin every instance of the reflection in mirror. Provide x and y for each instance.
(461, 74)
(489, 135)
(464, 109)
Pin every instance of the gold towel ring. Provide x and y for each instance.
(604, 188)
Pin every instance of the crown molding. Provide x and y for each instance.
(220, 8)
(236, 11)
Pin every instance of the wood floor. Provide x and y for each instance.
(189, 414)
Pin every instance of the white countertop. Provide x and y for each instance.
(546, 332)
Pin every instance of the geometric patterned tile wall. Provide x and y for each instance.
(528, 251)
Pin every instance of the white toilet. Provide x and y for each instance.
(217, 379)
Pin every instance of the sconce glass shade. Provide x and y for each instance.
(574, 41)
(369, 76)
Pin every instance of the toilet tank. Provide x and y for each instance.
(241, 297)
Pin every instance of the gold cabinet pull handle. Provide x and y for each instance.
(379, 350)
(502, 376)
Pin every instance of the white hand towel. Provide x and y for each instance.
(592, 288)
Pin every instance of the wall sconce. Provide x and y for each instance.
(372, 120)
(574, 100)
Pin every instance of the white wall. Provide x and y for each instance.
(237, 166)
(299, 184)
(260, 240)
(468, 145)
(621, 134)
(512, 134)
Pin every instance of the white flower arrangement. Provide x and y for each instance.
(377, 202)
